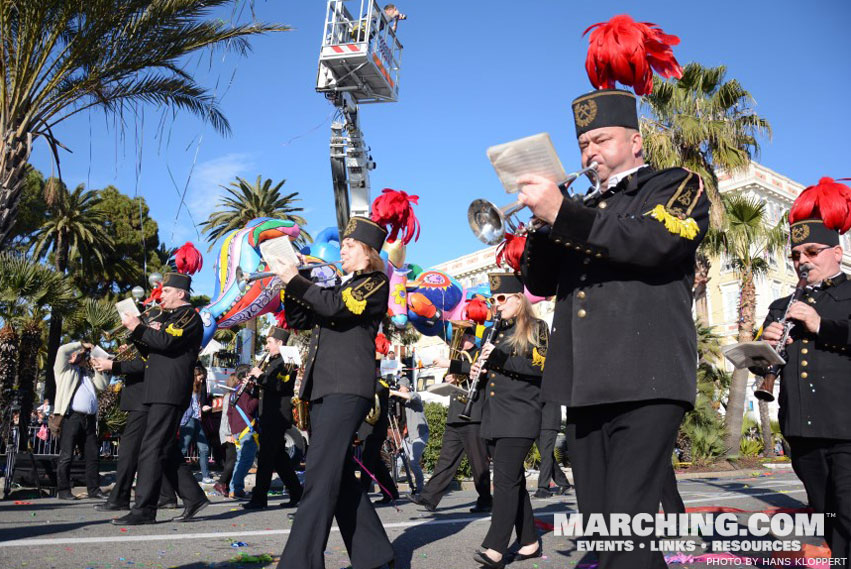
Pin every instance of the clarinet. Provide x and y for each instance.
(474, 381)
(765, 391)
(234, 397)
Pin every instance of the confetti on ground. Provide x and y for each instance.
(238, 544)
(22, 503)
(246, 558)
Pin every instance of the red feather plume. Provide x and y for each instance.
(828, 200)
(627, 51)
(188, 259)
(382, 344)
(393, 208)
(511, 251)
(477, 310)
(281, 319)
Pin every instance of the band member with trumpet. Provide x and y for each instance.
(172, 350)
(622, 268)
(459, 437)
(339, 382)
(815, 393)
(509, 368)
(275, 380)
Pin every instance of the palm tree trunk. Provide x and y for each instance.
(701, 278)
(739, 382)
(14, 154)
(27, 372)
(765, 427)
(54, 335)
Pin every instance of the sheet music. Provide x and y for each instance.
(277, 251)
(749, 354)
(98, 352)
(127, 307)
(291, 355)
(531, 155)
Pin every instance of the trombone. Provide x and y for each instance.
(244, 279)
(490, 223)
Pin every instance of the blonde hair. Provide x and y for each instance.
(525, 335)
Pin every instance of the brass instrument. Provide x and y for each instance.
(244, 279)
(301, 413)
(490, 223)
(459, 328)
(131, 351)
(374, 413)
(765, 391)
(474, 378)
(150, 314)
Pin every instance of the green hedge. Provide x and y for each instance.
(436, 416)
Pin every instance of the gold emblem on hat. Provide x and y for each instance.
(585, 112)
(350, 227)
(495, 281)
(800, 232)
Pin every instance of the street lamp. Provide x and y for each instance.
(155, 279)
(138, 293)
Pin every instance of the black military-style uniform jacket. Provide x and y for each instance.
(622, 271)
(276, 393)
(344, 319)
(171, 354)
(456, 407)
(815, 383)
(511, 386)
(133, 392)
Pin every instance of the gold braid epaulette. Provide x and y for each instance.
(176, 328)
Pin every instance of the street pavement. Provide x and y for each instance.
(38, 533)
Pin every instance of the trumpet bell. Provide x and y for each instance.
(487, 221)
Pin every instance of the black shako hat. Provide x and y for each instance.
(812, 231)
(280, 334)
(505, 283)
(178, 280)
(604, 107)
(366, 231)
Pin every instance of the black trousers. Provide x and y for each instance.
(621, 455)
(273, 457)
(159, 454)
(331, 490)
(128, 457)
(824, 466)
(457, 440)
(230, 463)
(78, 429)
(177, 477)
(672, 502)
(371, 459)
(511, 505)
(550, 469)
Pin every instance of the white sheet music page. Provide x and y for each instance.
(277, 251)
(531, 155)
(127, 307)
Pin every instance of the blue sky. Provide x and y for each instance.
(474, 74)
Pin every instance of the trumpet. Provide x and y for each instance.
(244, 279)
(489, 222)
(150, 314)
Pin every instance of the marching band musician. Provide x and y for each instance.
(510, 368)
(339, 382)
(373, 433)
(815, 393)
(460, 436)
(276, 417)
(172, 350)
(624, 343)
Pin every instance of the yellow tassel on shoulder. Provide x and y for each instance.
(174, 331)
(683, 227)
(537, 359)
(355, 306)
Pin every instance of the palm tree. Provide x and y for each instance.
(74, 229)
(746, 240)
(704, 123)
(59, 58)
(245, 202)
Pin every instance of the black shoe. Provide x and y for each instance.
(562, 490)
(254, 506)
(385, 499)
(482, 558)
(541, 493)
(167, 505)
(190, 511)
(538, 553)
(481, 509)
(291, 516)
(132, 520)
(110, 507)
(66, 495)
(98, 495)
(420, 501)
(295, 498)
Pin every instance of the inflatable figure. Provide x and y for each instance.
(241, 249)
